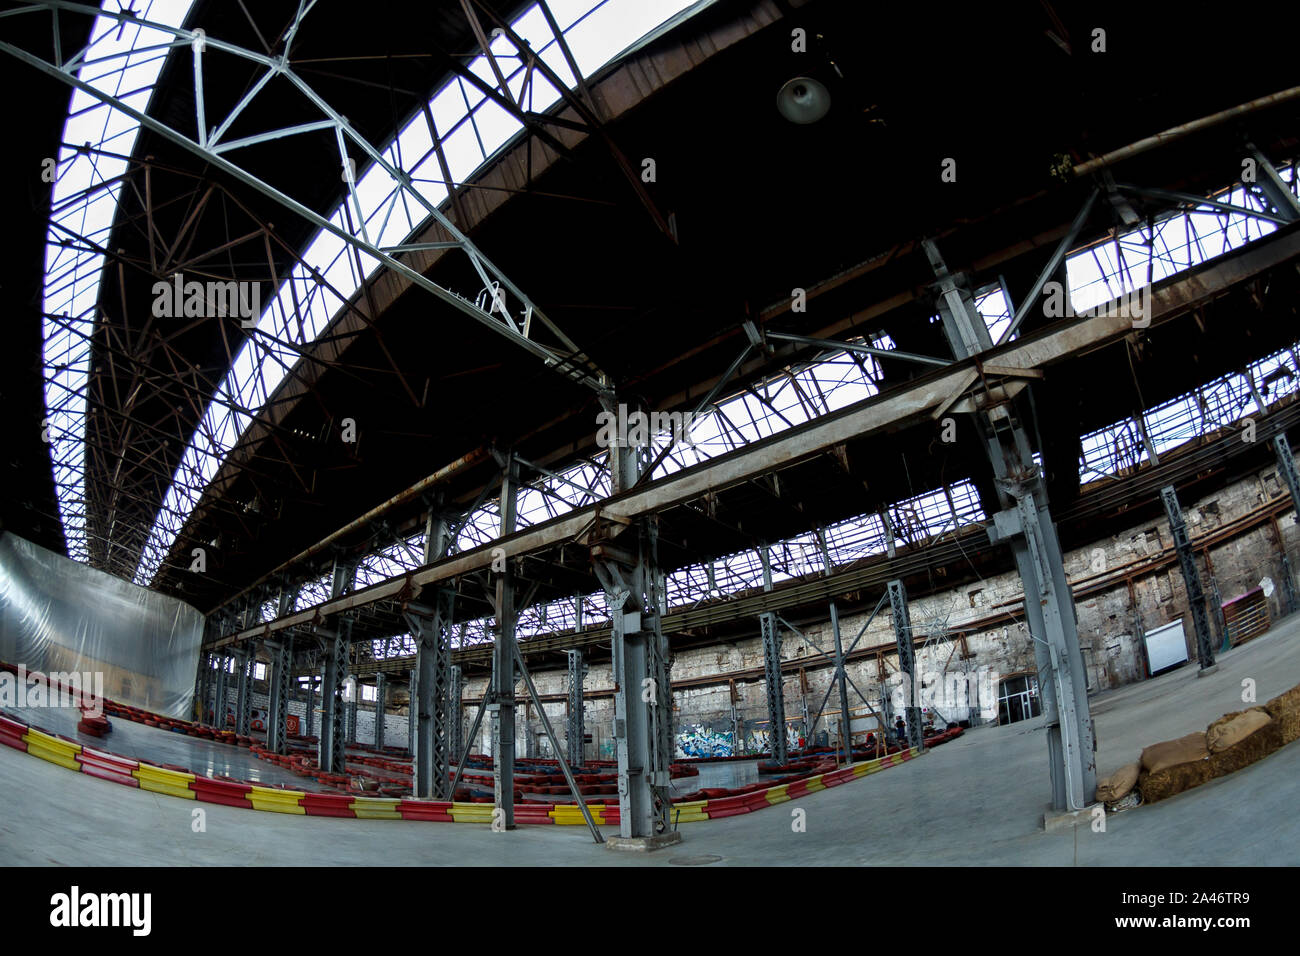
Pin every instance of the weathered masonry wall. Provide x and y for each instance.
(968, 637)
(1124, 585)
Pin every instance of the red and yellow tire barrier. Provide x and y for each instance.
(277, 801)
(54, 749)
(160, 780)
(108, 767)
(230, 793)
(234, 793)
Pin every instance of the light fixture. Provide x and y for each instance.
(803, 100)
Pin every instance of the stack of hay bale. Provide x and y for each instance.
(1233, 741)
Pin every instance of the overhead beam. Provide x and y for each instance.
(909, 404)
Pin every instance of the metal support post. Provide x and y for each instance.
(846, 723)
(624, 558)
(455, 730)
(576, 723)
(904, 639)
(771, 632)
(1191, 577)
(1287, 469)
(330, 748)
(201, 686)
(412, 716)
(381, 691)
(244, 694)
(334, 715)
(433, 746)
(277, 722)
(219, 703)
(1025, 524)
(310, 714)
(773, 680)
(504, 676)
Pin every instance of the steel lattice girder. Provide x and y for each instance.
(434, 745)
(917, 401)
(1191, 576)
(773, 682)
(206, 149)
(904, 639)
(576, 723)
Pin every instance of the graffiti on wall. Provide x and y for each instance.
(697, 741)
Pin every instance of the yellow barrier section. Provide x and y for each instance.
(690, 812)
(277, 801)
(376, 808)
(471, 812)
(815, 784)
(778, 794)
(171, 782)
(52, 749)
(571, 814)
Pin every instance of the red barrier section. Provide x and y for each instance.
(329, 805)
(439, 810)
(534, 813)
(107, 766)
(226, 792)
(11, 734)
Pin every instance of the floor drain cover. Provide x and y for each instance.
(703, 860)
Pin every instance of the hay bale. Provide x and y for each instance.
(1175, 779)
(1285, 711)
(1172, 753)
(1256, 746)
(1119, 783)
(1231, 729)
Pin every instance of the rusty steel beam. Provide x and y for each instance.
(907, 405)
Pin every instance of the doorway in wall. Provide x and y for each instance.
(1018, 698)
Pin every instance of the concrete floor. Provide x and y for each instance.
(975, 801)
(156, 746)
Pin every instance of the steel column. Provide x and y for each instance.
(334, 716)
(277, 724)
(846, 723)
(330, 748)
(381, 692)
(412, 717)
(1287, 469)
(244, 698)
(433, 752)
(624, 557)
(905, 641)
(1025, 524)
(1191, 577)
(504, 676)
(455, 731)
(310, 714)
(576, 723)
(219, 705)
(773, 681)
(771, 633)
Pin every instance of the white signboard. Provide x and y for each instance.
(1166, 646)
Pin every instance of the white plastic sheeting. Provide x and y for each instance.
(57, 615)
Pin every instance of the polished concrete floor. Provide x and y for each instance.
(978, 800)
